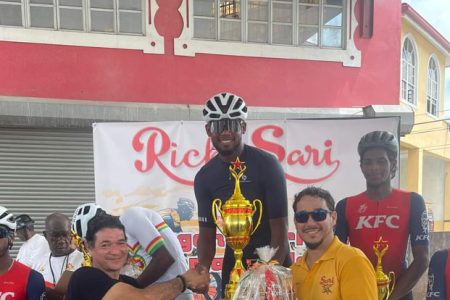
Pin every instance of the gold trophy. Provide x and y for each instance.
(78, 242)
(237, 224)
(385, 283)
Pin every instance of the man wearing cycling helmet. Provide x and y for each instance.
(264, 179)
(385, 212)
(17, 281)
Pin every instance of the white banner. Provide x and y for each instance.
(154, 164)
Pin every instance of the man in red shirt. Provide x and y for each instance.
(17, 281)
(396, 216)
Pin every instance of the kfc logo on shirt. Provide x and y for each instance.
(362, 208)
(391, 221)
(7, 295)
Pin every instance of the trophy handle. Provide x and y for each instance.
(260, 214)
(217, 204)
(392, 283)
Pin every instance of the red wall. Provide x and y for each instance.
(85, 73)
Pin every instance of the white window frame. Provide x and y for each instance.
(410, 66)
(149, 42)
(187, 45)
(433, 84)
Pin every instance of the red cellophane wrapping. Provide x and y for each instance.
(265, 279)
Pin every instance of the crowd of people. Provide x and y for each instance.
(138, 256)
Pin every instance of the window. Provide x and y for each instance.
(408, 88)
(313, 23)
(433, 88)
(102, 16)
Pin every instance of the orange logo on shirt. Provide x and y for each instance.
(327, 284)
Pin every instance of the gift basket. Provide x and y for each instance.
(265, 279)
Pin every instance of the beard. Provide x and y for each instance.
(313, 246)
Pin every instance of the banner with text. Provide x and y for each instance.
(153, 165)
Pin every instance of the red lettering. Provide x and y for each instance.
(159, 150)
(193, 261)
(296, 157)
(185, 240)
(220, 240)
(259, 142)
(291, 236)
(155, 154)
(216, 264)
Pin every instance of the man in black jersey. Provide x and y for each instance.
(263, 179)
(107, 245)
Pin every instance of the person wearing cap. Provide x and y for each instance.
(385, 214)
(17, 281)
(264, 179)
(34, 245)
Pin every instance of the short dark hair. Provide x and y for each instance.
(315, 192)
(100, 222)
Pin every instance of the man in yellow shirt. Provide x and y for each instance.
(329, 269)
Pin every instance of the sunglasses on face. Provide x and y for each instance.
(317, 215)
(218, 126)
(4, 233)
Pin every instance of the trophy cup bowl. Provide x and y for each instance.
(237, 228)
(385, 285)
(236, 224)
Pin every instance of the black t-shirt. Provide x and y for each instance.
(263, 179)
(89, 283)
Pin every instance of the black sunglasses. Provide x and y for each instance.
(4, 233)
(317, 215)
(218, 126)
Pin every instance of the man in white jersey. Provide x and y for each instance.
(154, 247)
(34, 245)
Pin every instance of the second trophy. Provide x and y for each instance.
(236, 224)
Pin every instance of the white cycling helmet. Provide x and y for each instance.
(224, 106)
(7, 219)
(81, 217)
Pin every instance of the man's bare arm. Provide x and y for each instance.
(206, 246)
(279, 238)
(412, 275)
(160, 263)
(160, 291)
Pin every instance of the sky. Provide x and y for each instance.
(437, 13)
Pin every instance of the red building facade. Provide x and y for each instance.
(274, 53)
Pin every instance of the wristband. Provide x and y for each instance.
(183, 282)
